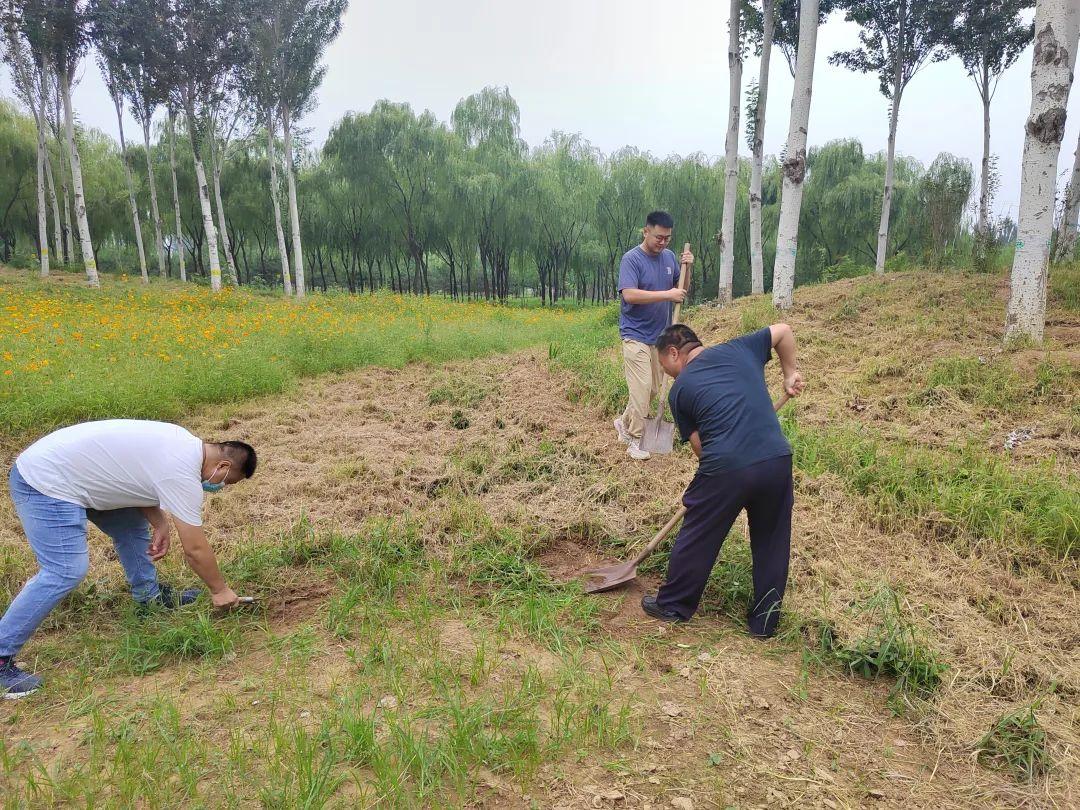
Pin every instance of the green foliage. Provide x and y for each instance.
(1016, 743)
(892, 646)
(845, 268)
(758, 314)
(994, 384)
(1065, 286)
(170, 636)
(991, 384)
(967, 496)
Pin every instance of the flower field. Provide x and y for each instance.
(69, 353)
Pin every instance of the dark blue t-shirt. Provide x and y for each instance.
(638, 270)
(722, 395)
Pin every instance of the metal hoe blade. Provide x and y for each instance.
(658, 436)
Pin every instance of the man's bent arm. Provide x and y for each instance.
(783, 342)
(632, 295)
(200, 556)
(155, 517)
(695, 443)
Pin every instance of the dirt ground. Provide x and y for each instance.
(368, 443)
(727, 720)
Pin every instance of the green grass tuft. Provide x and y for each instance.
(1016, 743)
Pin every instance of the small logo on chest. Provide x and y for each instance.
(669, 270)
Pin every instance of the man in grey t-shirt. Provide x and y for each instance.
(648, 279)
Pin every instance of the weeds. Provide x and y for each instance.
(892, 646)
(1016, 743)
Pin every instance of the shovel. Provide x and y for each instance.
(659, 436)
(612, 576)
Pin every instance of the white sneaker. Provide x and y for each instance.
(635, 451)
(620, 429)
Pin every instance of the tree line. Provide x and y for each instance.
(399, 199)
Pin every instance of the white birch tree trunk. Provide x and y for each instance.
(1057, 24)
(155, 212)
(294, 214)
(731, 156)
(890, 155)
(757, 260)
(794, 167)
(58, 231)
(42, 209)
(61, 149)
(69, 230)
(282, 248)
(85, 243)
(983, 226)
(1066, 236)
(208, 223)
(58, 234)
(176, 196)
(230, 262)
(131, 190)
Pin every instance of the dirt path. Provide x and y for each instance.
(725, 720)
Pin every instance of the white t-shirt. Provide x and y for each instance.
(117, 464)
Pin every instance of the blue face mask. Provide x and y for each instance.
(208, 487)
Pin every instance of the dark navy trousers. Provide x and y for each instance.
(712, 502)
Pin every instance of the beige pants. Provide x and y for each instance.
(641, 365)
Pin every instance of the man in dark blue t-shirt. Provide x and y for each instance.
(721, 405)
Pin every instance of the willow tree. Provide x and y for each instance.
(897, 38)
(794, 165)
(1057, 25)
(488, 123)
(988, 36)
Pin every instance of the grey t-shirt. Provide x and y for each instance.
(638, 270)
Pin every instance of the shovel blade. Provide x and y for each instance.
(658, 436)
(608, 577)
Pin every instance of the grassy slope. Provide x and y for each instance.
(911, 400)
(418, 647)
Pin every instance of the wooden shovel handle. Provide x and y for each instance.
(658, 538)
(684, 282)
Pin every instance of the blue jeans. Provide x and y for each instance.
(57, 533)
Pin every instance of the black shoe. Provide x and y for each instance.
(168, 599)
(648, 604)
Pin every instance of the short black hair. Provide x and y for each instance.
(678, 335)
(242, 454)
(661, 218)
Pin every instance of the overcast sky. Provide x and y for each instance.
(639, 72)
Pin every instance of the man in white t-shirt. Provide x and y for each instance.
(127, 477)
